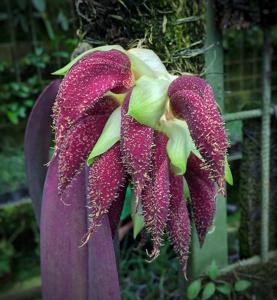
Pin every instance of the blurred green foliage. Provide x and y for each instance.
(19, 242)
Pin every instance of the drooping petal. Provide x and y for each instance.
(79, 141)
(192, 99)
(178, 221)
(137, 141)
(105, 184)
(86, 83)
(202, 193)
(155, 198)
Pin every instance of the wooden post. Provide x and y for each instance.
(215, 245)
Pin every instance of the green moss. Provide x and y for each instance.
(162, 26)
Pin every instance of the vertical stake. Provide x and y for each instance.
(265, 147)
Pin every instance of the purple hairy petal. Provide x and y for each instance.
(86, 83)
(155, 197)
(192, 99)
(178, 221)
(136, 148)
(106, 182)
(202, 193)
(79, 141)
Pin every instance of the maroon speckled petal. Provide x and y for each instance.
(155, 198)
(202, 192)
(136, 148)
(192, 99)
(178, 221)
(86, 82)
(79, 141)
(106, 181)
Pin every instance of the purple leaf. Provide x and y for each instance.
(69, 271)
(37, 143)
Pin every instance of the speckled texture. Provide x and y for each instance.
(155, 198)
(106, 181)
(192, 99)
(137, 141)
(79, 141)
(178, 221)
(86, 83)
(202, 192)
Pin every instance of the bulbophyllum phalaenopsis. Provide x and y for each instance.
(121, 113)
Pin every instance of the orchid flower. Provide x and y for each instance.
(135, 124)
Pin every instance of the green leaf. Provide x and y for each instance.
(126, 211)
(137, 216)
(227, 172)
(13, 117)
(193, 289)
(109, 136)
(225, 289)
(39, 5)
(180, 144)
(213, 271)
(208, 291)
(148, 100)
(242, 285)
(67, 67)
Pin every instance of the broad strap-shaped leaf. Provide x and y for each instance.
(202, 192)
(37, 142)
(192, 99)
(178, 224)
(86, 83)
(68, 271)
(155, 198)
(137, 141)
(79, 141)
(106, 181)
